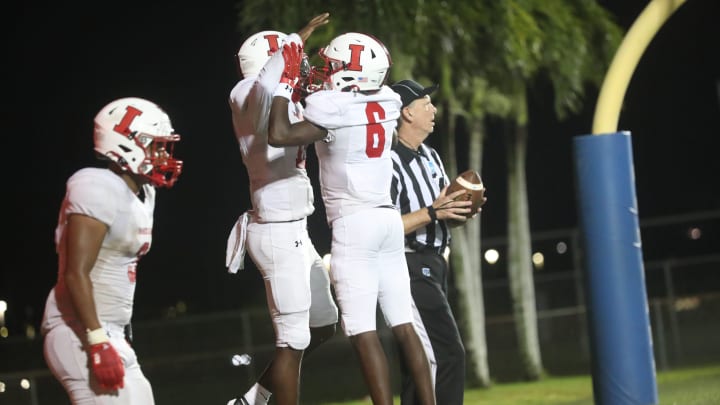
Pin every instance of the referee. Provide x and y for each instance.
(418, 190)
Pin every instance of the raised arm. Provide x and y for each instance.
(316, 21)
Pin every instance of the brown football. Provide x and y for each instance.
(471, 182)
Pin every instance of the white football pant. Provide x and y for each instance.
(286, 257)
(68, 361)
(368, 267)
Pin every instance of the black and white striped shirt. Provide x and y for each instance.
(417, 180)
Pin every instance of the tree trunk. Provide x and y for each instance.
(520, 269)
(465, 259)
(466, 263)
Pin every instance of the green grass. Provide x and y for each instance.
(687, 386)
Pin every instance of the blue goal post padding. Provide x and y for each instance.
(622, 355)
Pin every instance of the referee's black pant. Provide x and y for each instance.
(428, 284)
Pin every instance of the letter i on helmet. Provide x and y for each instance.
(355, 62)
(137, 135)
(257, 49)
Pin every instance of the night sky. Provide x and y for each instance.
(63, 62)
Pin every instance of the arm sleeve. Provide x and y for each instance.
(322, 110)
(266, 83)
(93, 197)
(269, 76)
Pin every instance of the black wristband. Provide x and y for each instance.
(431, 213)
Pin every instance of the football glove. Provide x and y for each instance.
(105, 363)
(292, 54)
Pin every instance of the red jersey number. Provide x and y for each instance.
(375, 135)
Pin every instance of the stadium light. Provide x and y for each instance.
(492, 256)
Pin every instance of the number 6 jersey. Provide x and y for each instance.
(354, 160)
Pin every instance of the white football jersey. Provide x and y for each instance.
(355, 164)
(103, 195)
(280, 189)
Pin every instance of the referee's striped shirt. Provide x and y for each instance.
(417, 180)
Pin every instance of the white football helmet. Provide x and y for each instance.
(138, 136)
(355, 62)
(257, 49)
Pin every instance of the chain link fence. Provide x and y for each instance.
(188, 358)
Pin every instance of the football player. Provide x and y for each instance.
(354, 118)
(104, 227)
(274, 231)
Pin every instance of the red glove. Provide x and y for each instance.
(292, 54)
(105, 363)
(296, 95)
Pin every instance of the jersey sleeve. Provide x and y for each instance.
(92, 195)
(332, 109)
(270, 74)
(264, 87)
(322, 110)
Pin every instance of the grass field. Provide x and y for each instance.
(689, 386)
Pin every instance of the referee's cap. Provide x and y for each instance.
(410, 90)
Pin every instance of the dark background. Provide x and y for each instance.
(63, 62)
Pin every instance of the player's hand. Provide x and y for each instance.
(317, 21)
(292, 54)
(107, 366)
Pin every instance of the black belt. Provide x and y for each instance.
(417, 247)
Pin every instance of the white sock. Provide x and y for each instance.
(257, 395)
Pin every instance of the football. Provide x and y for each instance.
(471, 182)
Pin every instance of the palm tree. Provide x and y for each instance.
(462, 99)
(570, 44)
